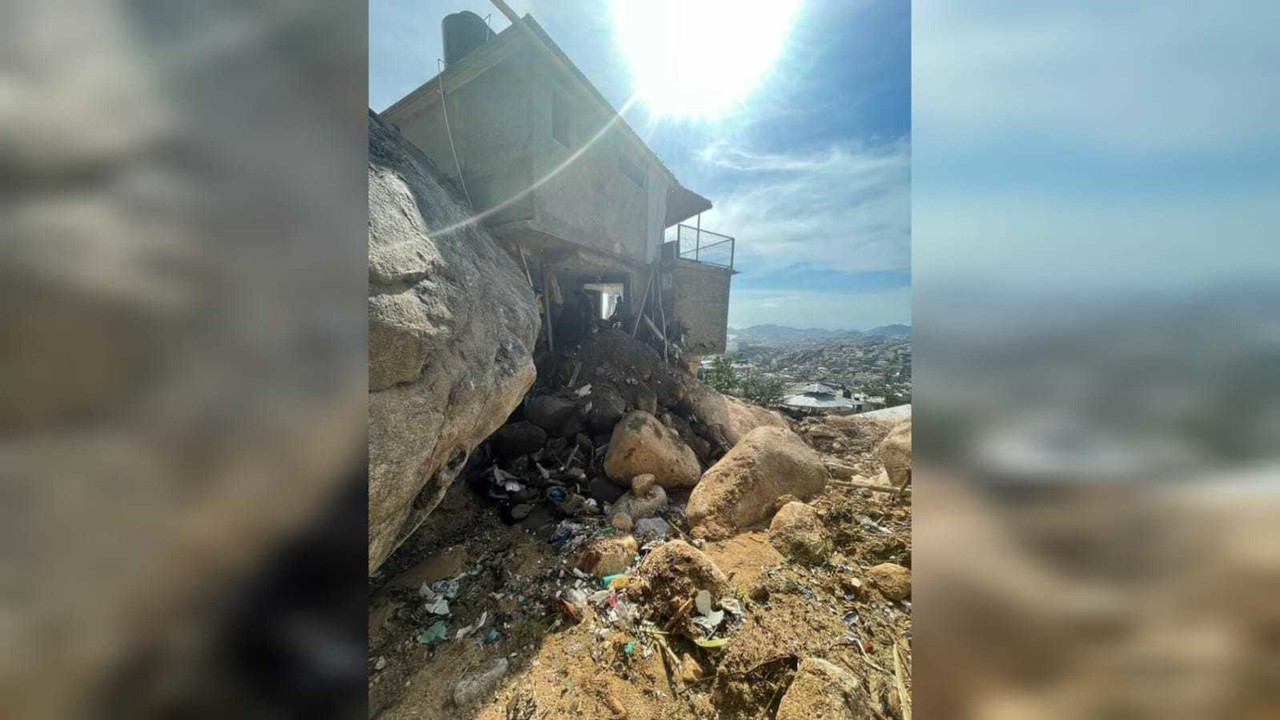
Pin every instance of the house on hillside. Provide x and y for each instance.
(817, 398)
(601, 224)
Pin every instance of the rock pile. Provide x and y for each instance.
(761, 591)
(649, 528)
(608, 430)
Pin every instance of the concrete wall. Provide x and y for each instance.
(700, 297)
(492, 121)
(501, 123)
(591, 201)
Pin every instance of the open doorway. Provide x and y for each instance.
(607, 297)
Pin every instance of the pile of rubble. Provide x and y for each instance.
(622, 557)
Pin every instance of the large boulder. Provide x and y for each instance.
(797, 531)
(452, 323)
(824, 690)
(743, 488)
(607, 408)
(550, 413)
(641, 444)
(674, 573)
(895, 454)
(519, 438)
(734, 417)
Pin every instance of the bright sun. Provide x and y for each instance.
(700, 58)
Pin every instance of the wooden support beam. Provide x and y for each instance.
(525, 264)
(868, 486)
(546, 304)
(655, 329)
(662, 310)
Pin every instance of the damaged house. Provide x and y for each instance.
(603, 230)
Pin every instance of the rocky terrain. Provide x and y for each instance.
(592, 532)
(628, 574)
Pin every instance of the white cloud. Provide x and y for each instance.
(844, 208)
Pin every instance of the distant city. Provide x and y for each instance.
(873, 365)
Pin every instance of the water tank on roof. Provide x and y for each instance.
(463, 32)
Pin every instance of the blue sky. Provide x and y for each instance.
(811, 172)
(1094, 148)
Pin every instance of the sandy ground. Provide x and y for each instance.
(559, 666)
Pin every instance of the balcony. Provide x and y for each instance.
(693, 243)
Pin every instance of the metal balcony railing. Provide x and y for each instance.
(702, 246)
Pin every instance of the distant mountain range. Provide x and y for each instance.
(785, 334)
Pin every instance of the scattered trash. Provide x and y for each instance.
(707, 619)
(801, 588)
(570, 609)
(558, 496)
(703, 601)
(436, 632)
(448, 589)
(869, 524)
(464, 632)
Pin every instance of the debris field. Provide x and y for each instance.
(609, 554)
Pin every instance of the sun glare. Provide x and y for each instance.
(700, 58)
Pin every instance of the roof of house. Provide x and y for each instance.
(804, 400)
(682, 203)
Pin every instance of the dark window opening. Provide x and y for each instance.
(560, 119)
